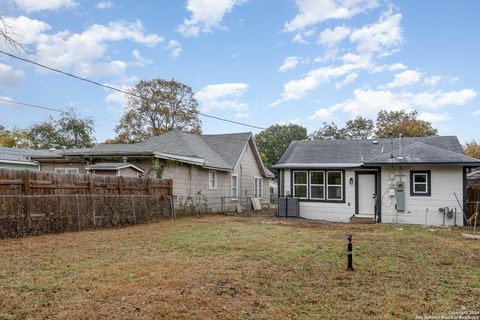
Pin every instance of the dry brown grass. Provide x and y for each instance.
(239, 268)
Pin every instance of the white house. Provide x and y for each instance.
(401, 180)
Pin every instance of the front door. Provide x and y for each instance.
(366, 194)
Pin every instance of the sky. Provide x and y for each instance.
(260, 62)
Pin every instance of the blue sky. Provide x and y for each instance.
(256, 61)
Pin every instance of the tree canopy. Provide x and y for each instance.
(472, 149)
(273, 141)
(69, 130)
(17, 138)
(163, 106)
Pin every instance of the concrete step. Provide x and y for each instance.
(362, 219)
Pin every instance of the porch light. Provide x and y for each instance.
(351, 181)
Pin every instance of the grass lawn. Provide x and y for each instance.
(221, 267)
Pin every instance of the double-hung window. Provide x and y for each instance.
(300, 184)
(420, 183)
(317, 185)
(257, 187)
(66, 170)
(234, 192)
(212, 179)
(334, 185)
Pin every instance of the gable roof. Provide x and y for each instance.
(17, 155)
(353, 153)
(112, 166)
(217, 151)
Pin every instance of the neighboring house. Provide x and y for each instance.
(215, 166)
(473, 179)
(403, 180)
(15, 158)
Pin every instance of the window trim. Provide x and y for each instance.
(255, 178)
(341, 185)
(214, 180)
(308, 199)
(292, 191)
(57, 170)
(310, 185)
(428, 183)
(234, 197)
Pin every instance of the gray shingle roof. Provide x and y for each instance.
(111, 166)
(18, 155)
(446, 149)
(220, 151)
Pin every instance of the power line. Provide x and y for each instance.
(45, 108)
(117, 89)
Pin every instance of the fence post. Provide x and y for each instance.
(222, 206)
(133, 210)
(172, 207)
(78, 212)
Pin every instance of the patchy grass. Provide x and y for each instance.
(240, 268)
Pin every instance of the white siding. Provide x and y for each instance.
(444, 182)
(330, 211)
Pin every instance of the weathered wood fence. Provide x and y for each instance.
(25, 182)
(34, 202)
(473, 196)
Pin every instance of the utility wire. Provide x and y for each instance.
(45, 108)
(117, 89)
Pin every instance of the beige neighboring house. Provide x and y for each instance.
(115, 169)
(218, 166)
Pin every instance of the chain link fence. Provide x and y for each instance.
(42, 214)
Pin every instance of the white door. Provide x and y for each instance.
(366, 194)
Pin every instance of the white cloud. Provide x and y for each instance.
(10, 76)
(323, 114)
(175, 48)
(396, 67)
(289, 63)
(140, 60)
(349, 79)
(405, 78)
(298, 38)
(83, 52)
(222, 96)
(207, 15)
(242, 115)
(118, 97)
(26, 30)
(331, 37)
(434, 118)
(476, 113)
(40, 5)
(381, 36)
(105, 4)
(369, 102)
(437, 79)
(312, 12)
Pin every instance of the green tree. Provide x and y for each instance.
(273, 141)
(69, 130)
(393, 123)
(163, 106)
(358, 128)
(328, 131)
(16, 138)
(472, 149)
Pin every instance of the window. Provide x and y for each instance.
(66, 170)
(420, 184)
(317, 185)
(334, 185)
(234, 192)
(300, 183)
(212, 179)
(257, 187)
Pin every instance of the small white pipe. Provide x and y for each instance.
(426, 213)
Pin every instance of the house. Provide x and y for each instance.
(15, 158)
(214, 166)
(401, 180)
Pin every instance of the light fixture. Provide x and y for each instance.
(351, 181)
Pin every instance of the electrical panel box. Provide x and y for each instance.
(400, 196)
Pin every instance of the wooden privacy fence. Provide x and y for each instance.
(473, 196)
(25, 182)
(33, 202)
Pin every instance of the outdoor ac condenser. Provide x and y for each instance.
(400, 196)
